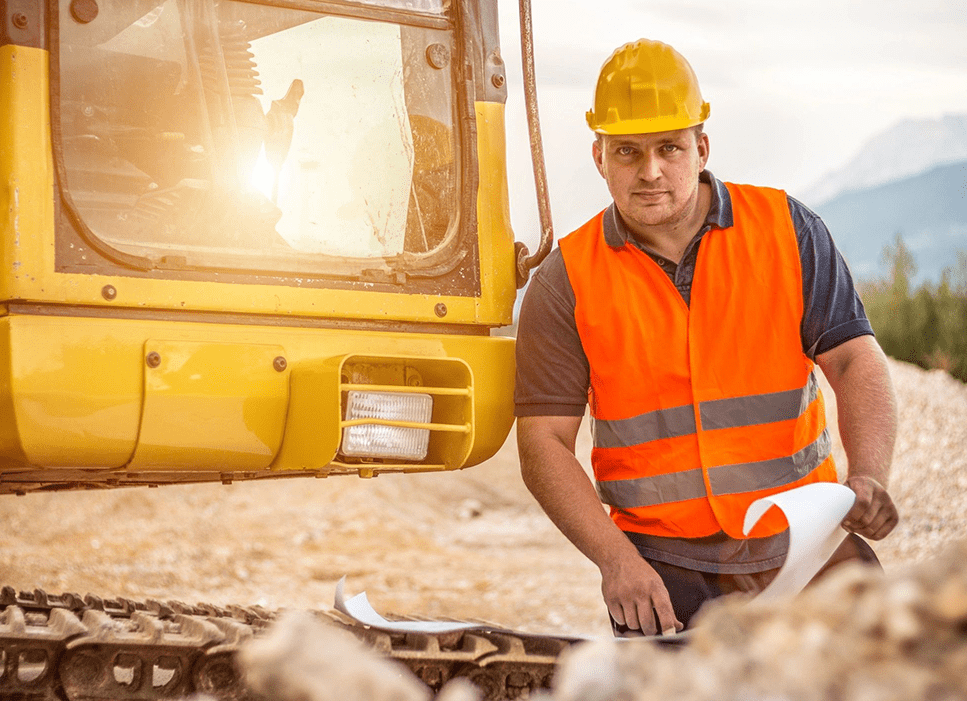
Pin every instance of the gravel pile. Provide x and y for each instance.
(929, 478)
(856, 636)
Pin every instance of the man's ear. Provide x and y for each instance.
(598, 155)
(703, 150)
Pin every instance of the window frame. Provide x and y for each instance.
(453, 268)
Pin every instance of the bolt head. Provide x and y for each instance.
(437, 55)
(20, 20)
(109, 292)
(497, 80)
(84, 11)
(153, 359)
(280, 364)
(440, 309)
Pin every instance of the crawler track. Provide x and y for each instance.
(64, 647)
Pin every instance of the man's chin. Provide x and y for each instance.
(651, 216)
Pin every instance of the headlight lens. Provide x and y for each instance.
(381, 441)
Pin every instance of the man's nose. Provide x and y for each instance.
(649, 168)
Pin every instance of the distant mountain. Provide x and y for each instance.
(929, 210)
(909, 148)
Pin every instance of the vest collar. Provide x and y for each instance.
(719, 213)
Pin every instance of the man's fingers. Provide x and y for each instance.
(633, 592)
(855, 515)
(642, 618)
(646, 618)
(862, 512)
(617, 613)
(665, 617)
(878, 529)
(883, 524)
(873, 514)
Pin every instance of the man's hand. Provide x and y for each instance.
(873, 514)
(634, 594)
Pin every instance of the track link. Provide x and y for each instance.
(68, 648)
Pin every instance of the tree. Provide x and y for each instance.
(926, 326)
(892, 313)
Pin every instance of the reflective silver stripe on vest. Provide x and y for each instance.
(759, 408)
(765, 474)
(650, 426)
(733, 412)
(649, 491)
(724, 479)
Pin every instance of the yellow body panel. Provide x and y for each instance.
(497, 264)
(80, 393)
(26, 174)
(210, 404)
(27, 201)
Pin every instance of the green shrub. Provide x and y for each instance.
(926, 325)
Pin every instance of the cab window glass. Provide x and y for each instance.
(233, 135)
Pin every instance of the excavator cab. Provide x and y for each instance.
(244, 240)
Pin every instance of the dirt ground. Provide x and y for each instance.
(467, 544)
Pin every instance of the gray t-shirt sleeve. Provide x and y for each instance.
(553, 374)
(832, 310)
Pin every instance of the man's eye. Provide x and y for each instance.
(625, 151)
(669, 148)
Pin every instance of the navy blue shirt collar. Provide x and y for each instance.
(719, 213)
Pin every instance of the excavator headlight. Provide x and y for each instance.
(391, 425)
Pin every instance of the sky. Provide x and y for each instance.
(795, 88)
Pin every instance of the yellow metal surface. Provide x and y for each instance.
(497, 264)
(28, 239)
(26, 175)
(310, 441)
(68, 403)
(211, 404)
(77, 392)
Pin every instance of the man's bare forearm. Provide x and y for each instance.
(866, 408)
(557, 480)
(632, 590)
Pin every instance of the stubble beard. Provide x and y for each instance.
(663, 215)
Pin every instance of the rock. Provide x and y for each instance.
(468, 509)
(303, 659)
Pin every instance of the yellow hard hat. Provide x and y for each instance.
(646, 87)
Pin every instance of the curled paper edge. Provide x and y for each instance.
(359, 609)
(814, 513)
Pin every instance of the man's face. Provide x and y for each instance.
(653, 177)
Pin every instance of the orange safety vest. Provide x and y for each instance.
(700, 410)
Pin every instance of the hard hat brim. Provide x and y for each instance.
(651, 125)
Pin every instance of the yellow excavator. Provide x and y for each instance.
(246, 240)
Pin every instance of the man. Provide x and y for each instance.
(690, 314)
